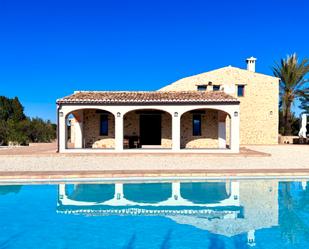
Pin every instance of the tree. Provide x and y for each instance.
(41, 131)
(17, 110)
(17, 128)
(17, 132)
(292, 86)
(3, 132)
(304, 103)
(5, 108)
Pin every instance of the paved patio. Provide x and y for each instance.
(51, 148)
(42, 162)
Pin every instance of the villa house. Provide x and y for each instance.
(216, 111)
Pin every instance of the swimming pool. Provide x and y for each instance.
(176, 214)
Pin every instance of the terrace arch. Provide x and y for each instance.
(205, 128)
(147, 128)
(84, 128)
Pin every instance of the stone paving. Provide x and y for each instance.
(41, 161)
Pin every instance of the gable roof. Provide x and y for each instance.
(218, 76)
(150, 97)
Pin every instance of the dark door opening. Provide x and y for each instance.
(150, 129)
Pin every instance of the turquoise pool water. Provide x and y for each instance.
(209, 214)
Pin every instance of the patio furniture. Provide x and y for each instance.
(126, 143)
(132, 142)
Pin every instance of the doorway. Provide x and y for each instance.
(150, 129)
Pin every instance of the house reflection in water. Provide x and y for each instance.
(226, 208)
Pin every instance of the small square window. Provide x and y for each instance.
(202, 87)
(103, 125)
(197, 125)
(240, 90)
(216, 88)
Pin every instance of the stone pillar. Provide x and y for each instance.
(119, 132)
(176, 131)
(62, 131)
(118, 191)
(222, 135)
(234, 134)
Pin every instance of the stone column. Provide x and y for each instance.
(119, 132)
(176, 131)
(234, 134)
(62, 131)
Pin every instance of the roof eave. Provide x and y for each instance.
(148, 102)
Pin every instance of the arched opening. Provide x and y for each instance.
(204, 192)
(147, 128)
(92, 192)
(147, 192)
(204, 129)
(90, 128)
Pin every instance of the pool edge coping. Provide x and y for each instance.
(148, 175)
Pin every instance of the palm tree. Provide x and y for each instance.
(292, 85)
(304, 103)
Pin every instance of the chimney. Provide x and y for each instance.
(251, 64)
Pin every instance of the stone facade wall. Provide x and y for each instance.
(258, 108)
(166, 125)
(131, 127)
(131, 124)
(209, 136)
(91, 130)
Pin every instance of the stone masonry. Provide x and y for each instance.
(91, 130)
(258, 107)
(209, 136)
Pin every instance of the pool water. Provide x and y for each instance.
(209, 214)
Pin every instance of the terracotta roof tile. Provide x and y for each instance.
(119, 97)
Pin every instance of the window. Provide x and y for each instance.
(103, 125)
(202, 87)
(241, 90)
(216, 87)
(197, 125)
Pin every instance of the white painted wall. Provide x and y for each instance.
(78, 129)
(222, 135)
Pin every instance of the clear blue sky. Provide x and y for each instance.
(51, 48)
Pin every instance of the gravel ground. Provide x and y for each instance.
(282, 157)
